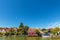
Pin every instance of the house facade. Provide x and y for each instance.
(2, 30)
(31, 32)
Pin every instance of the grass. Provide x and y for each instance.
(27, 38)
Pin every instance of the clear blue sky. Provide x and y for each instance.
(34, 13)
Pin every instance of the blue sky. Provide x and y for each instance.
(34, 13)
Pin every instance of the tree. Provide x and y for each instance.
(55, 30)
(12, 31)
(26, 29)
(45, 30)
(38, 32)
(21, 31)
(21, 25)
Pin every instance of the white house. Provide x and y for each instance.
(2, 30)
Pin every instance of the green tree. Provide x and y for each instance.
(12, 32)
(38, 32)
(26, 29)
(45, 30)
(55, 30)
(21, 25)
(21, 31)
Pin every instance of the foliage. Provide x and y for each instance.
(1, 33)
(26, 29)
(7, 33)
(37, 31)
(55, 30)
(23, 29)
(45, 30)
(17, 33)
(21, 25)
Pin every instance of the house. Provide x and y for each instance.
(7, 29)
(15, 29)
(2, 30)
(31, 32)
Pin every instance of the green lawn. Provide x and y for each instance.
(27, 38)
